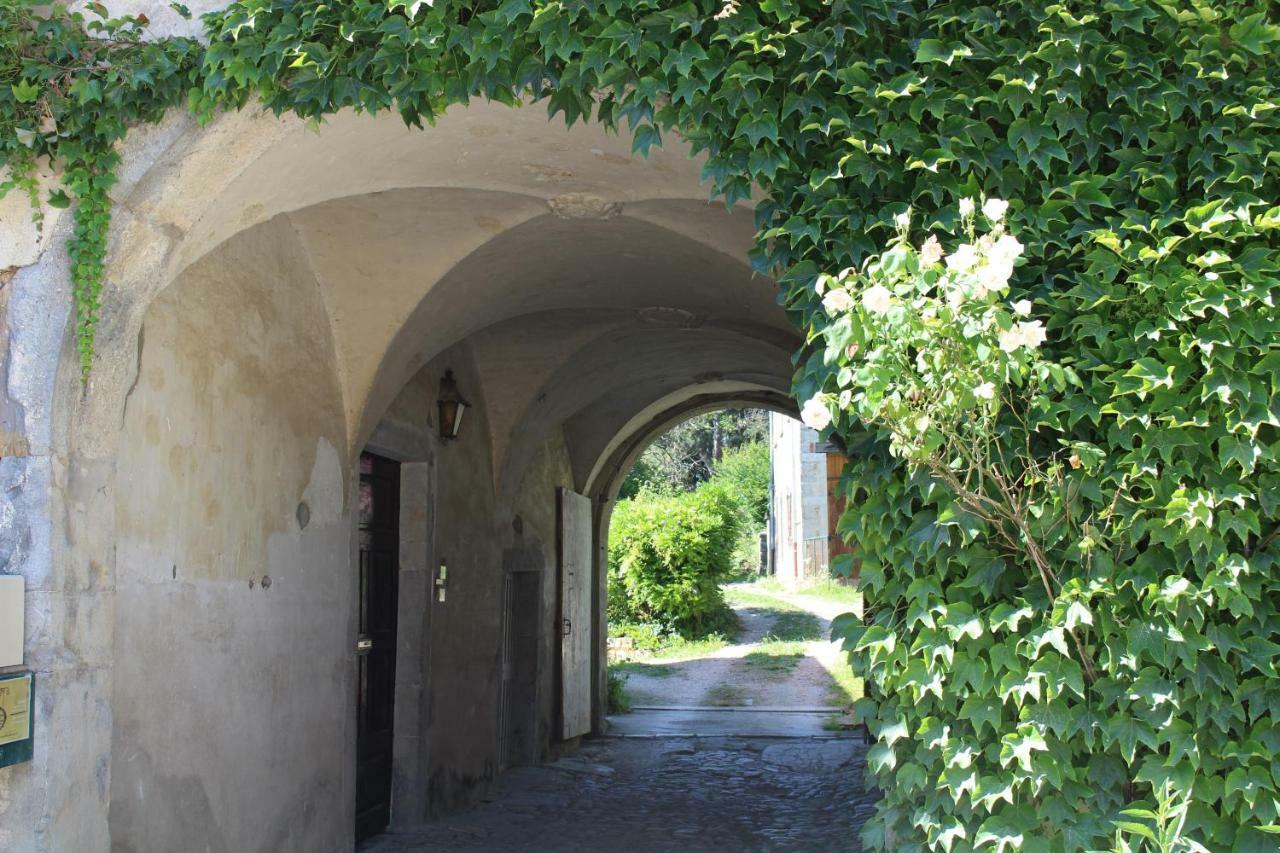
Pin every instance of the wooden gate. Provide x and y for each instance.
(575, 541)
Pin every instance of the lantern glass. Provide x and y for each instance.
(452, 407)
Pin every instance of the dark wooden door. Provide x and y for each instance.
(520, 668)
(379, 513)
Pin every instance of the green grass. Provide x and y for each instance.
(725, 695)
(791, 625)
(789, 621)
(746, 595)
(775, 658)
(837, 723)
(639, 667)
(827, 590)
(846, 687)
(648, 642)
(678, 648)
(617, 700)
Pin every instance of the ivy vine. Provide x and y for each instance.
(1137, 141)
(71, 84)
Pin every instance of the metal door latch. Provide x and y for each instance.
(568, 626)
(364, 644)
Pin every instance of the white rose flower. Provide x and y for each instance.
(1022, 307)
(964, 258)
(931, 251)
(994, 209)
(955, 297)
(1007, 248)
(815, 414)
(985, 391)
(1033, 333)
(837, 300)
(903, 220)
(966, 206)
(877, 299)
(995, 276)
(1010, 339)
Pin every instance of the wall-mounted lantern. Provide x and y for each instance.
(452, 406)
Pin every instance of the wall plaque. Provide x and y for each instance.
(17, 701)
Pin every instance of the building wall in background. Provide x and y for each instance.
(799, 501)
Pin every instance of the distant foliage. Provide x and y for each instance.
(668, 555)
(744, 474)
(689, 453)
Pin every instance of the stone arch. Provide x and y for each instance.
(200, 235)
(645, 428)
(629, 443)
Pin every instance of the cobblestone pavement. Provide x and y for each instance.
(684, 795)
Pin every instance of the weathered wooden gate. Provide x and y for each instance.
(574, 512)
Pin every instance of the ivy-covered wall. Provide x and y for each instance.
(1014, 708)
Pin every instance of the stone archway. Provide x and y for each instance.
(270, 315)
(611, 469)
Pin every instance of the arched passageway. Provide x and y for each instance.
(282, 311)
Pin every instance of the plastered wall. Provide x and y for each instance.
(233, 692)
(233, 696)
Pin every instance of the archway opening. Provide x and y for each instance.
(704, 636)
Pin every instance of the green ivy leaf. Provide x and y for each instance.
(25, 92)
(1254, 33)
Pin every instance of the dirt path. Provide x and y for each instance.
(753, 672)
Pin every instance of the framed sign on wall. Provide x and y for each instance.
(17, 704)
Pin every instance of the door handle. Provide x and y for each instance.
(364, 645)
(568, 627)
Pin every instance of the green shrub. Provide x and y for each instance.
(650, 639)
(646, 637)
(744, 474)
(668, 556)
(616, 692)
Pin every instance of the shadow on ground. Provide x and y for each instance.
(667, 796)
